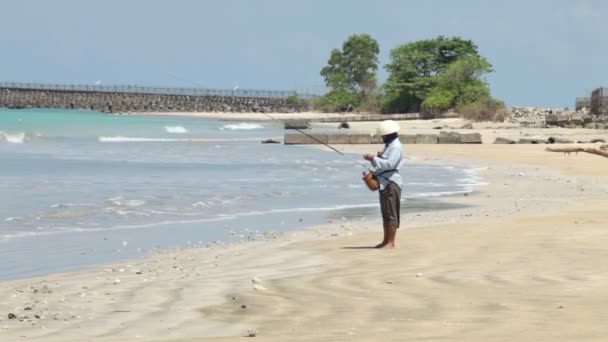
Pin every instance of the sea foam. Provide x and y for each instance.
(16, 138)
(241, 126)
(176, 129)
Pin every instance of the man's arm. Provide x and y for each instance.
(388, 161)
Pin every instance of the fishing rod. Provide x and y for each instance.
(325, 144)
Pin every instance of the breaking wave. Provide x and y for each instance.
(241, 126)
(176, 129)
(15, 138)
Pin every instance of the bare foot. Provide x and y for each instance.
(388, 246)
(380, 245)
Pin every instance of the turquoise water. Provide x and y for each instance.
(81, 188)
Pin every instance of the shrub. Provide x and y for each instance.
(396, 102)
(437, 102)
(371, 104)
(337, 100)
(486, 109)
(294, 99)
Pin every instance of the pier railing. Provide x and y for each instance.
(135, 89)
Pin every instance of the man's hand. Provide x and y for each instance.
(368, 157)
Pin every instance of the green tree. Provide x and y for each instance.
(415, 67)
(334, 73)
(354, 67)
(460, 84)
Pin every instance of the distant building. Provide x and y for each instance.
(599, 101)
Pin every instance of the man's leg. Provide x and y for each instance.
(391, 233)
(384, 239)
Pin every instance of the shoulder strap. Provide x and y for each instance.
(385, 171)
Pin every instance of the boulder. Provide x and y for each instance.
(294, 139)
(587, 119)
(377, 139)
(562, 120)
(593, 141)
(551, 119)
(360, 138)
(343, 125)
(467, 126)
(270, 141)
(470, 138)
(592, 125)
(426, 138)
(317, 139)
(604, 147)
(531, 141)
(577, 119)
(448, 138)
(407, 139)
(337, 139)
(297, 124)
(504, 141)
(553, 140)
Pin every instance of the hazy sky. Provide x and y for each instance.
(545, 52)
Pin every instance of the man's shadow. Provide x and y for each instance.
(359, 247)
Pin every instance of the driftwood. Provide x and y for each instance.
(578, 149)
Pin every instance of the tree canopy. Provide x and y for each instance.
(430, 76)
(414, 69)
(460, 84)
(350, 73)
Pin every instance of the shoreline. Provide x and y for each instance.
(437, 202)
(489, 130)
(170, 288)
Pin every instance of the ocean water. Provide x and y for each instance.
(79, 188)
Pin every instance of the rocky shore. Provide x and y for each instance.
(556, 117)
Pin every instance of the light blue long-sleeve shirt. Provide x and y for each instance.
(391, 160)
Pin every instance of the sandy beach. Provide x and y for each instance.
(522, 259)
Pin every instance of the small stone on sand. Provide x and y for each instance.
(259, 288)
(418, 275)
(256, 280)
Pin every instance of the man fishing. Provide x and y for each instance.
(387, 164)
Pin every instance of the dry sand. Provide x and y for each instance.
(524, 260)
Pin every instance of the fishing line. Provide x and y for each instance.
(327, 145)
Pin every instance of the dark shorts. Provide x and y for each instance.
(390, 205)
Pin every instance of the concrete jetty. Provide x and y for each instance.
(297, 138)
(124, 99)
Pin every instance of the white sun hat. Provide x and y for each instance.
(387, 127)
